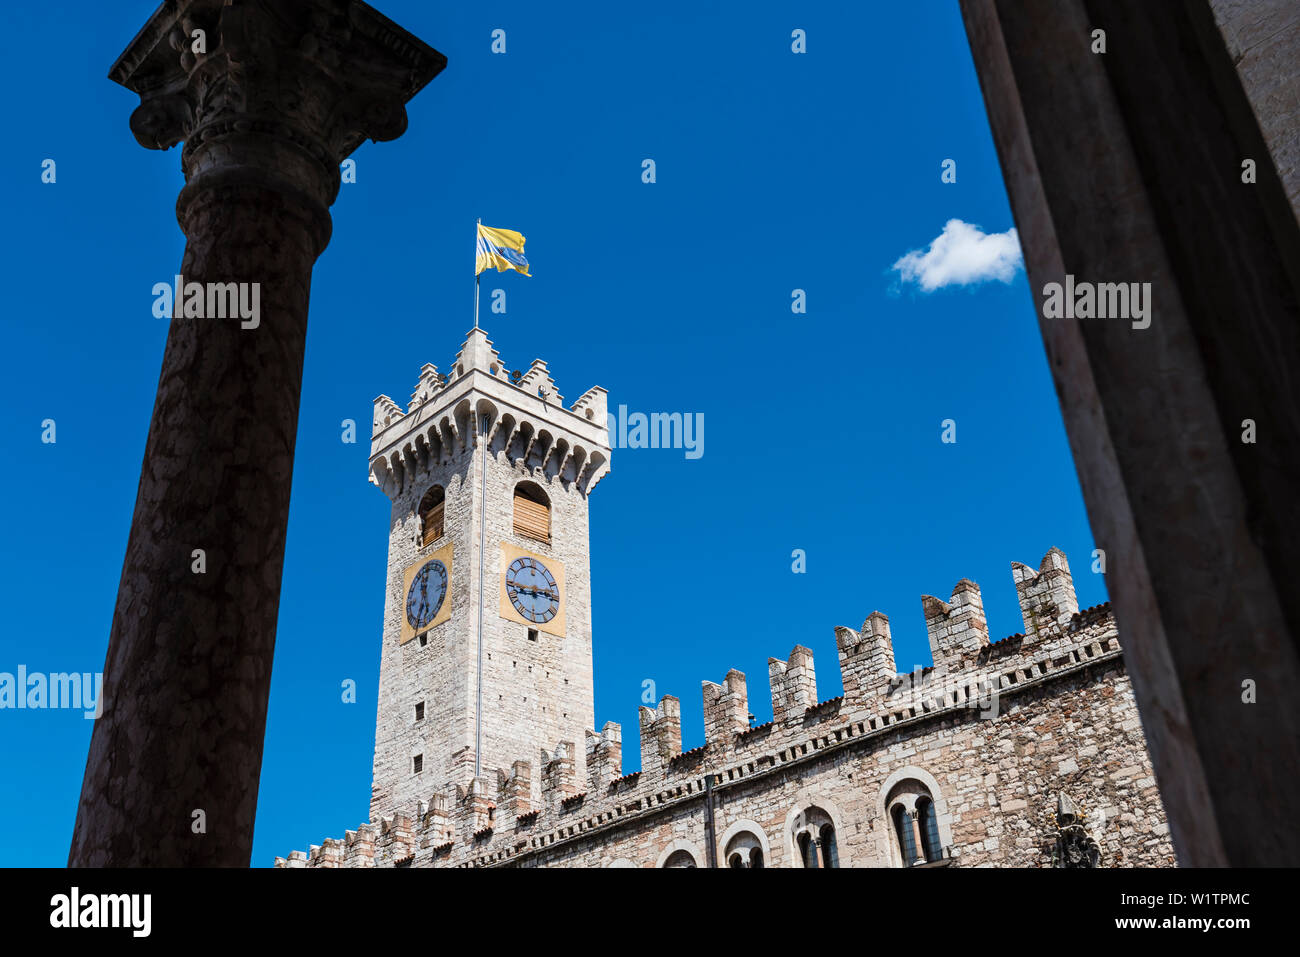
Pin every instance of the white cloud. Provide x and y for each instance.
(962, 255)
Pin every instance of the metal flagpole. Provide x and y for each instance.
(480, 223)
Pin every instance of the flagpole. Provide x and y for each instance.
(480, 223)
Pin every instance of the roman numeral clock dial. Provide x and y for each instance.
(532, 590)
(426, 594)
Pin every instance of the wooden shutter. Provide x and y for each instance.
(433, 524)
(532, 519)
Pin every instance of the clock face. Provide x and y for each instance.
(428, 589)
(532, 590)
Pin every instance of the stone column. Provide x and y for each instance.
(1126, 166)
(918, 848)
(268, 96)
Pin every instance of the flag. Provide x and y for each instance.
(502, 248)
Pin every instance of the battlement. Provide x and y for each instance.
(525, 419)
(494, 821)
(956, 627)
(661, 734)
(1046, 596)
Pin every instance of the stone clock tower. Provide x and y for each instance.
(487, 621)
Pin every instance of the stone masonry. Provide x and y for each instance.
(1006, 742)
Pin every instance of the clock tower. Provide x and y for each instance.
(486, 654)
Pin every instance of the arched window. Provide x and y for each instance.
(903, 830)
(532, 512)
(744, 850)
(830, 853)
(929, 825)
(680, 859)
(814, 835)
(431, 511)
(915, 809)
(807, 850)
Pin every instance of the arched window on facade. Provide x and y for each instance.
(830, 853)
(680, 859)
(807, 850)
(915, 817)
(431, 515)
(903, 832)
(532, 512)
(928, 824)
(815, 838)
(744, 850)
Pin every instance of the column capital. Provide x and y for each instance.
(271, 93)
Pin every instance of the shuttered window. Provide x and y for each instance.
(532, 513)
(431, 510)
(433, 524)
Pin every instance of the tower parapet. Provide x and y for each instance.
(527, 421)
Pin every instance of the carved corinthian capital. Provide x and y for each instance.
(271, 93)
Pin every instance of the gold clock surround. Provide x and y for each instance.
(509, 552)
(444, 612)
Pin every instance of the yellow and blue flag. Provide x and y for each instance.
(502, 248)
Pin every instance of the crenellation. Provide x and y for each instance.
(478, 353)
(426, 388)
(1047, 599)
(359, 847)
(537, 381)
(794, 684)
(866, 659)
(386, 413)
(956, 628)
(437, 826)
(604, 757)
(460, 771)
(516, 791)
(661, 734)
(559, 776)
(330, 853)
(726, 711)
(475, 812)
(394, 841)
(593, 404)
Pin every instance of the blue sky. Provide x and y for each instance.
(775, 172)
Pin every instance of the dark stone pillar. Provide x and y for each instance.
(281, 92)
(1126, 166)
